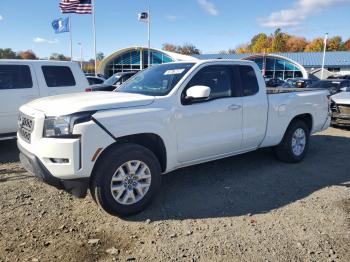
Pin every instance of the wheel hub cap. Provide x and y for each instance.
(131, 182)
(298, 142)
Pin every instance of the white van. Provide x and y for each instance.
(24, 80)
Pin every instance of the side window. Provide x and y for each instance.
(218, 78)
(15, 77)
(249, 81)
(125, 78)
(58, 76)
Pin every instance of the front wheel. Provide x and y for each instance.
(126, 180)
(295, 143)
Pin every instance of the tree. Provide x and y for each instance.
(315, 45)
(7, 53)
(100, 56)
(169, 47)
(335, 44)
(279, 41)
(259, 43)
(295, 44)
(29, 54)
(59, 57)
(188, 49)
(347, 45)
(242, 49)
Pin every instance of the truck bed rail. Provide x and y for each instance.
(281, 90)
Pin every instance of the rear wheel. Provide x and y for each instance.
(295, 143)
(126, 180)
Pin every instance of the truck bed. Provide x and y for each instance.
(285, 103)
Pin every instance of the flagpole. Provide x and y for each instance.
(324, 54)
(94, 33)
(81, 55)
(71, 38)
(149, 33)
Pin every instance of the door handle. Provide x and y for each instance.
(234, 107)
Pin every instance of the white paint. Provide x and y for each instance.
(12, 99)
(191, 134)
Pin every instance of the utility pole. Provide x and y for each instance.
(324, 54)
(149, 33)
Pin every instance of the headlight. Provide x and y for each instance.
(61, 126)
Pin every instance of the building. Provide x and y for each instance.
(287, 65)
(136, 58)
(276, 65)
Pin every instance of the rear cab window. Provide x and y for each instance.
(249, 81)
(58, 76)
(15, 77)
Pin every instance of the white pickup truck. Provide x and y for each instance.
(117, 144)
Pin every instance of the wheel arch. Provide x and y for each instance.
(306, 118)
(151, 141)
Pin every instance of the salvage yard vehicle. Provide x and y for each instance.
(117, 144)
(24, 80)
(333, 85)
(340, 106)
(113, 82)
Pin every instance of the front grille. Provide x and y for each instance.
(25, 127)
(344, 109)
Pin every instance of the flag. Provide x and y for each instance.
(143, 17)
(61, 25)
(76, 6)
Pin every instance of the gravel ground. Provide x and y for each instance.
(243, 208)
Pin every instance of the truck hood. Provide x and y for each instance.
(342, 98)
(79, 102)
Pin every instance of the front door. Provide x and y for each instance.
(212, 127)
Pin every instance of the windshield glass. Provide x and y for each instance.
(112, 80)
(157, 80)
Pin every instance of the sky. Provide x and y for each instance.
(211, 25)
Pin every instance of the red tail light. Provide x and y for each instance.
(88, 89)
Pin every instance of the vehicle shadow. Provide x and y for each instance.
(252, 183)
(9, 151)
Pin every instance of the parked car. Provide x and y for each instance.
(93, 74)
(339, 77)
(333, 85)
(24, 80)
(300, 82)
(275, 82)
(167, 117)
(95, 80)
(304, 83)
(292, 81)
(340, 106)
(113, 82)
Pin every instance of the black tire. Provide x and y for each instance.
(101, 184)
(284, 151)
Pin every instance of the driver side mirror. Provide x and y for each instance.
(197, 93)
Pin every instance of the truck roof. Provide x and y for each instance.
(3, 61)
(215, 61)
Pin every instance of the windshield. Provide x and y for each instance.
(157, 80)
(112, 80)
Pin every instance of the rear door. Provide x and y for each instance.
(255, 107)
(59, 79)
(18, 86)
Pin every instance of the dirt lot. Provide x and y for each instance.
(244, 208)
